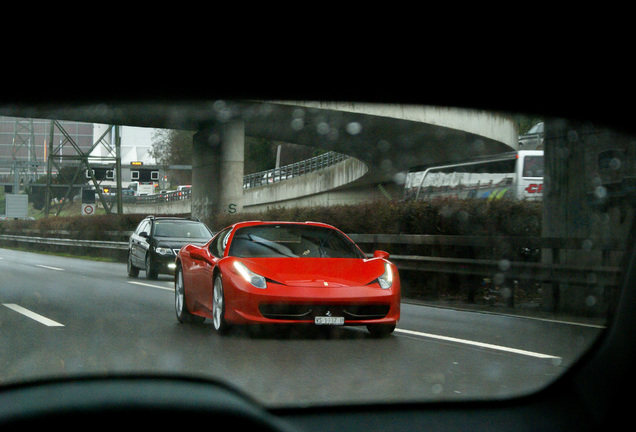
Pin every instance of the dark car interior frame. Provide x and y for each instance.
(594, 394)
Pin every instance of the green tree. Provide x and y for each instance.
(173, 147)
(260, 155)
(524, 123)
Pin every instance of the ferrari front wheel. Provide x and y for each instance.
(218, 306)
(380, 330)
(183, 314)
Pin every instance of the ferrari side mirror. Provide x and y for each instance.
(380, 254)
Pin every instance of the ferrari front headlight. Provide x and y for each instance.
(256, 280)
(386, 280)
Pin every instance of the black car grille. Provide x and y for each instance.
(300, 312)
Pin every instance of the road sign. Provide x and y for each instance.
(88, 209)
(17, 205)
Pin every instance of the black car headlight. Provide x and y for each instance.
(163, 251)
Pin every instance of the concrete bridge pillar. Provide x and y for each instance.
(217, 170)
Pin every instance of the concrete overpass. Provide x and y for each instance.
(385, 139)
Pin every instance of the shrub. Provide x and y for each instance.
(438, 217)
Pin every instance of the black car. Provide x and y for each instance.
(155, 242)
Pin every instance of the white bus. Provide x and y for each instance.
(518, 175)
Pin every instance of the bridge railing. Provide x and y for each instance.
(261, 178)
(295, 169)
(159, 198)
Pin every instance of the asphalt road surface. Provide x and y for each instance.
(65, 316)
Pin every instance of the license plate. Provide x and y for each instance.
(328, 320)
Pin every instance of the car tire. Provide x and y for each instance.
(380, 330)
(133, 271)
(218, 306)
(151, 272)
(181, 308)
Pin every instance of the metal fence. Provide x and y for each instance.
(295, 169)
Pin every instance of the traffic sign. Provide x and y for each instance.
(88, 209)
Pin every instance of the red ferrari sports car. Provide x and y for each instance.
(286, 272)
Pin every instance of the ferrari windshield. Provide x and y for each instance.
(292, 241)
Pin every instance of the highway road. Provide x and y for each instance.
(61, 316)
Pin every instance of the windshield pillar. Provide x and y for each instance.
(589, 173)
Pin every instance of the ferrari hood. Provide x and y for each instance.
(318, 272)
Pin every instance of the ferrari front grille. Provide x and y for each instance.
(298, 312)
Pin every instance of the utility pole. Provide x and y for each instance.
(23, 139)
(120, 204)
(49, 166)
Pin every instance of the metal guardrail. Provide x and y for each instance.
(554, 272)
(65, 242)
(603, 275)
(607, 276)
(486, 241)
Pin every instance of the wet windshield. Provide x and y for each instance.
(490, 285)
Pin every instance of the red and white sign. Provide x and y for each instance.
(88, 209)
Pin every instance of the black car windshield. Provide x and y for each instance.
(181, 230)
(293, 241)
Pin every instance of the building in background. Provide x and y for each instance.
(136, 143)
(25, 141)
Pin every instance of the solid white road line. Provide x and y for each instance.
(152, 286)
(478, 344)
(33, 315)
(50, 268)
